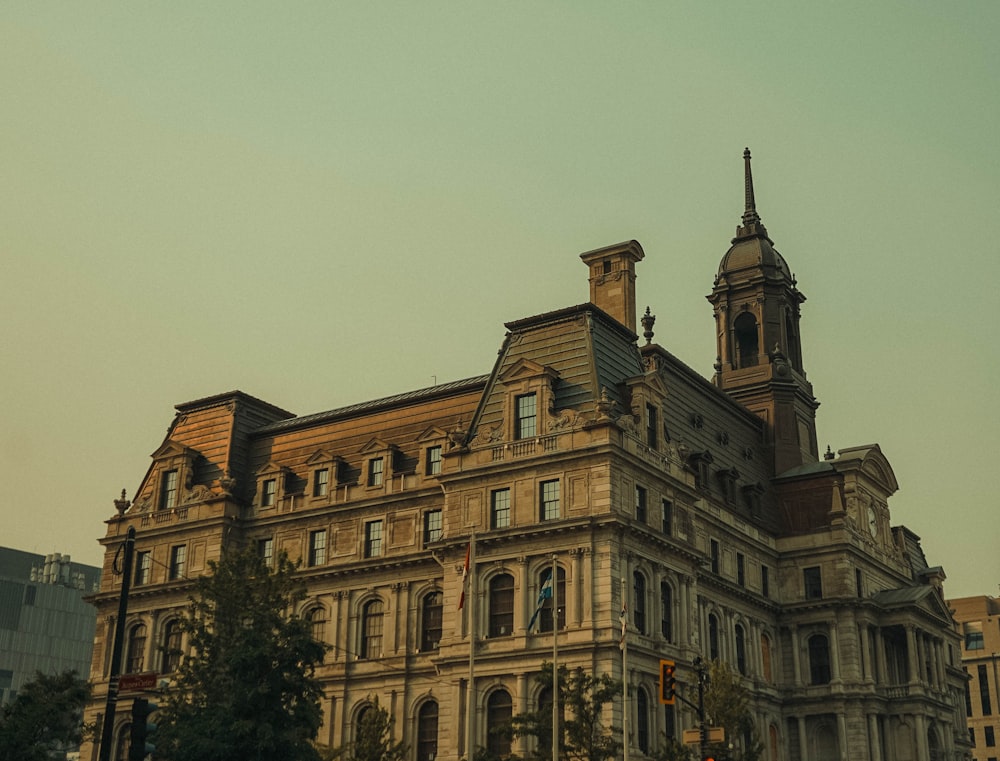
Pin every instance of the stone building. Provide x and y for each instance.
(704, 502)
(978, 623)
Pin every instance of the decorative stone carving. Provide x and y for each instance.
(121, 505)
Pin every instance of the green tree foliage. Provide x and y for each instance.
(584, 736)
(374, 741)
(727, 704)
(45, 718)
(670, 749)
(248, 688)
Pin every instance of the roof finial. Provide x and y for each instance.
(750, 215)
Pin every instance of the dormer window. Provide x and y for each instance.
(376, 471)
(728, 479)
(652, 421)
(321, 482)
(700, 463)
(168, 490)
(433, 460)
(526, 422)
(268, 492)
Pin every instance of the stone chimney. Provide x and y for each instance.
(612, 279)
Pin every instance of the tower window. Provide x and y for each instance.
(746, 338)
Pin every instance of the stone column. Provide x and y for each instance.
(399, 627)
(796, 657)
(521, 700)
(578, 587)
(835, 676)
(803, 744)
(880, 672)
(867, 671)
(842, 735)
(911, 647)
(873, 738)
(920, 722)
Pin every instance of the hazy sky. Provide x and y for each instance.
(323, 203)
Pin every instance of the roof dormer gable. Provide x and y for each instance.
(526, 370)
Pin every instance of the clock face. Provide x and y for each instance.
(872, 521)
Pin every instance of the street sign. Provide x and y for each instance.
(712, 735)
(137, 682)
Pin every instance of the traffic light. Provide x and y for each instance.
(667, 682)
(142, 730)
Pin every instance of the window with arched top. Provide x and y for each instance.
(741, 649)
(501, 605)
(765, 658)
(713, 636)
(427, 731)
(172, 634)
(545, 615)
(499, 710)
(371, 629)
(772, 743)
(819, 659)
(642, 719)
(134, 659)
(431, 610)
(124, 742)
(666, 611)
(639, 601)
(747, 340)
(316, 616)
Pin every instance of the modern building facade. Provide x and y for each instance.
(701, 506)
(978, 623)
(45, 623)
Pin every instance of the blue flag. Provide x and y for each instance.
(545, 593)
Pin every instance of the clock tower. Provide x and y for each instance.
(756, 303)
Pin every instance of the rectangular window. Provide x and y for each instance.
(375, 471)
(668, 517)
(549, 492)
(989, 737)
(500, 508)
(765, 581)
(857, 582)
(168, 490)
(526, 417)
(268, 492)
(373, 539)
(433, 527)
(741, 573)
(321, 482)
(433, 461)
(651, 425)
(714, 547)
(984, 691)
(265, 551)
(973, 635)
(143, 567)
(317, 547)
(812, 582)
(640, 504)
(178, 561)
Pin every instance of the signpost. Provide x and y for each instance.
(137, 682)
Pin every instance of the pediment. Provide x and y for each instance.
(431, 434)
(924, 598)
(374, 445)
(320, 456)
(171, 448)
(270, 467)
(524, 369)
(870, 461)
(652, 380)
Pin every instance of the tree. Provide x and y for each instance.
(374, 741)
(727, 703)
(46, 717)
(248, 689)
(583, 735)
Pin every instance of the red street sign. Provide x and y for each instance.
(136, 682)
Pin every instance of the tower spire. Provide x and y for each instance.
(750, 215)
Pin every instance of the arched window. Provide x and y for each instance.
(171, 646)
(360, 721)
(427, 731)
(772, 743)
(639, 593)
(545, 617)
(666, 611)
(713, 636)
(121, 747)
(134, 661)
(819, 659)
(502, 605)
(642, 719)
(317, 623)
(499, 709)
(746, 338)
(430, 622)
(765, 658)
(371, 629)
(741, 649)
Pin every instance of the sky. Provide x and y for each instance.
(325, 203)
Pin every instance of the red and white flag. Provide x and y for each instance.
(465, 575)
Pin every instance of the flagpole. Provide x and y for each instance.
(624, 674)
(555, 659)
(470, 710)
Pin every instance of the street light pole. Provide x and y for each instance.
(108, 727)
